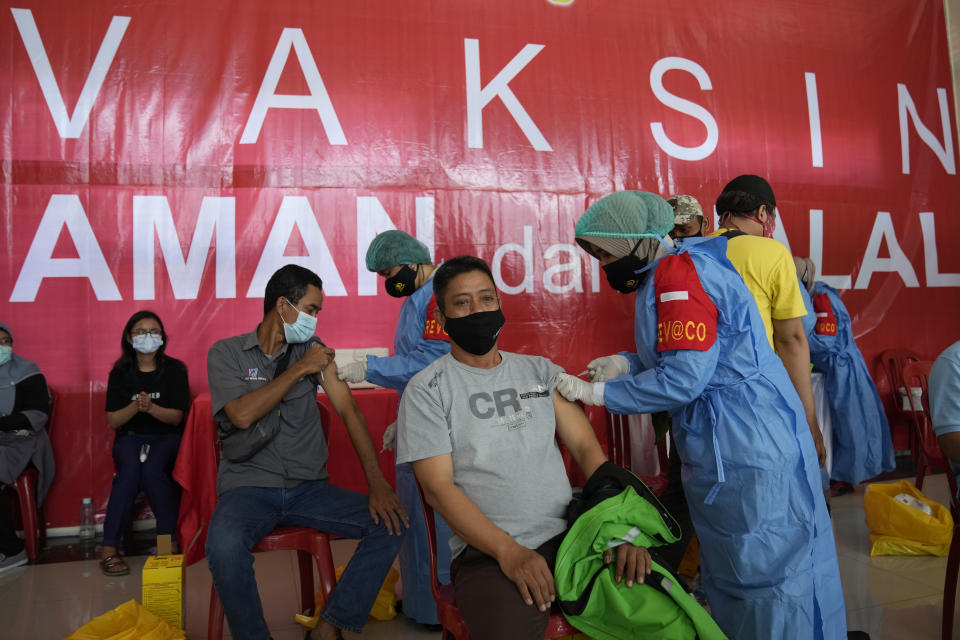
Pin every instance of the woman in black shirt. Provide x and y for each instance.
(147, 398)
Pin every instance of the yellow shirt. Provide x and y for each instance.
(771, 275)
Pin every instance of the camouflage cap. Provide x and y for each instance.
(685, 208)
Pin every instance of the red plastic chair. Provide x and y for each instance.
(927, 453)
(454, 626)
(891, 363)
(31, 513)
(306, 542)
(618, 445)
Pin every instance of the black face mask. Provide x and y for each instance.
(404, 283)
(477, 332)
(622, 276)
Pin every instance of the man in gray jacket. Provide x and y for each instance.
(286, 481)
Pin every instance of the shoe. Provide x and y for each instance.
(307, 635)
(9, 562)
(113, 565)
(838, 488)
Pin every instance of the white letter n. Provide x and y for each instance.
(944, 152)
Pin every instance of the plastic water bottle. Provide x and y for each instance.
(87, 531)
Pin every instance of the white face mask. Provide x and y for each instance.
(5, 354)
(147, 343)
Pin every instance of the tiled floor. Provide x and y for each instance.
(891, 598)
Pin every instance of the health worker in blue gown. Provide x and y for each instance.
(406, 265)
(861, 445)
(750, 471)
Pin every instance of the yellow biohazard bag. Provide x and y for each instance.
(899, 529)
(384, 607)
(129, 621)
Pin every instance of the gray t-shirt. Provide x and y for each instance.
(499, 426)
(237, 366)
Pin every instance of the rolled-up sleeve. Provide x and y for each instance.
(422, 427)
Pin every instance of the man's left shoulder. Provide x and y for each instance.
(527, 358)
(535, 366)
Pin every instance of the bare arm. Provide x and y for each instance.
(120, 417)
(383, 501)
(790, 341)
(163, 414)
(525, 567)
(577, 435)
(245, 410)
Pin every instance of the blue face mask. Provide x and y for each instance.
(302, 329)
(5, 354)
(147, 343)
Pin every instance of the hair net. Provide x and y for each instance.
(616, 222)
(392, 248)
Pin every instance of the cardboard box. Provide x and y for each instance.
(163, 588)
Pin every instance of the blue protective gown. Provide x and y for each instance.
(750, 472)
(862, 447)
(411, 353)
(809, 322)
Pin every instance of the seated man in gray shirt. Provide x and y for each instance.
(285, 482)
(479, 426)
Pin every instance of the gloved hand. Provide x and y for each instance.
(355, 371)
(607, 368)
(389, 437)
(573, 389)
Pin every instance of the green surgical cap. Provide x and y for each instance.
(392, 248)
(624, 215)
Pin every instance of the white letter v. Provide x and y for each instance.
(69, 126)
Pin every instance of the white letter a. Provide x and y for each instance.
(316, 99)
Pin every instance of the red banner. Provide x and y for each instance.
(172, 155)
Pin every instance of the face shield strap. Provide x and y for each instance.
(633, 251)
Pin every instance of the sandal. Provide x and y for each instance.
(114, 566)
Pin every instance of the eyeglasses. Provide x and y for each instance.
(143, 332)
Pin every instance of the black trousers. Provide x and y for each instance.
(10, 544)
